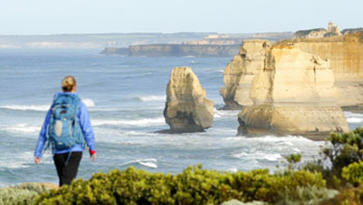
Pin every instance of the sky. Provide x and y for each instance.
(168, 16)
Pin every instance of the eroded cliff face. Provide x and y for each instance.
(344, 52)
(290, 75)
(186, 108)
(293, 93)
(239, 73)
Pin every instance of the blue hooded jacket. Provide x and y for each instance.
(85, 125)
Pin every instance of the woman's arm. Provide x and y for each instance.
(42, 138)
(87, 129)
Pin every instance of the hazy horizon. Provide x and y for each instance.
(42, 17)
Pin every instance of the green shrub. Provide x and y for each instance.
(293, 159)
(193, 186)
(354, 173)
(23, 194)
(346, 148)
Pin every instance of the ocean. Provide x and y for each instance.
(126, 97)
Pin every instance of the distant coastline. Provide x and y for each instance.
(176, 50)
(213, 45)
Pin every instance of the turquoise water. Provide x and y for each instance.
(125, 97)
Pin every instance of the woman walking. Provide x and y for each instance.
(67, 128)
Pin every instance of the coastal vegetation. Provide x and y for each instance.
(311, 183)
(23, 194)
(193, 186)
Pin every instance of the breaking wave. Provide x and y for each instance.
(225, 113)
(353, 117)
(354, 120)
(86, 101)
(151, 163)
(22, 128)
(137, 123)
(258, 156)
(26, 107)
(151, 98)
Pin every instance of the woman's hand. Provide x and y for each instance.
(36, 160)
(92, 153)
(93, 157)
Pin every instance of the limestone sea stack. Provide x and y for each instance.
(292, 93)
(186, 107)
(239, 73)
(344, 52)
(346, 60)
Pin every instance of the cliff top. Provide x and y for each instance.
(353, 37)
(305, 32)
(255, 41)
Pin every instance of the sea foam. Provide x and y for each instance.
(353, 117)
(151, 98)
(258, 156)
(26, 107)
(136, 123)
(151, 163)
(22, 128)
(354, 120)
(225, 113)
(86, 101)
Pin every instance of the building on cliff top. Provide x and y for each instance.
(333, 30)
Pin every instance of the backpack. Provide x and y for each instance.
(64, 130)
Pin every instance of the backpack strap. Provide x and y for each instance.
(47, 145)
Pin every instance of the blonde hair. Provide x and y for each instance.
(68, 83)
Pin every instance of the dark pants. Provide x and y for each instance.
(67, 171)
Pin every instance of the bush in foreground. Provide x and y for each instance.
(193, 186)
(346, 149)
(23, 194)
(354, 173)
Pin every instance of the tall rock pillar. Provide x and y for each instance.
(186, 107)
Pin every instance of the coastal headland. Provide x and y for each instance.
(297, 86)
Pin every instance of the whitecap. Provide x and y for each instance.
(354, 120)
(136, 123)
(26, 107)
(351, 114)
(152, 98)
(287, 140)
(136, 133)
(22, 128)
(233, 170)
(151, 163)
(258, 156)
(217, 115)
(225, 113)
(296, 150)
(89, 102)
